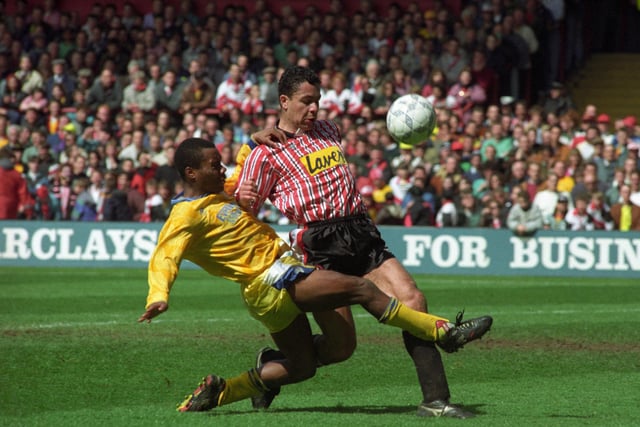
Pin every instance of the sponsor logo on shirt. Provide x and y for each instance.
(323, 160)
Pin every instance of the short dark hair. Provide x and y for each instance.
(293, 77)
(189, 154)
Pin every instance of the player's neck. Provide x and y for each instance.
(193, 193)
(289, 129)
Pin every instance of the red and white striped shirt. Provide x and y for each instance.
(307, 178)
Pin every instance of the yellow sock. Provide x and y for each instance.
(242, 387)
(422, 325)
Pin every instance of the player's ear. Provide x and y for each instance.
(190, 173)
(284, 102)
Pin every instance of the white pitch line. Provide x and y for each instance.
(108, 323)
(358, 315)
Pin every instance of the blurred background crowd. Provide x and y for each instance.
(92, 107)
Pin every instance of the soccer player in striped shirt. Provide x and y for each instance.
(301, 168)
(207, 227)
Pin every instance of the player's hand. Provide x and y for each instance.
(247, 195)
(270, 137)
(154, 310)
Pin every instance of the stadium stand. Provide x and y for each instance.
(95, 98)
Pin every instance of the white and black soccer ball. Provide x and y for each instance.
(411, 119)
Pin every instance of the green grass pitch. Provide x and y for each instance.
(562, 352)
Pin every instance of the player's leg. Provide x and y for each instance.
(299, 363)
(325, 289)
(295, 342)
(338, 339)
(394, 280)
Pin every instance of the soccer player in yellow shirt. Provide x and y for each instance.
(207, 227)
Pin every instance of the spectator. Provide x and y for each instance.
(115, 206)
(389, 213)
(451, 169)
(197, 95)
(467, 94)
(138, 96)
(167, 172)
(12, 96)
(625, 215)
(36, 101)
(517, 175)
(469, 213)
(383, 99)
(30, 79)
(105, 90)
(252, 105)
(578, 218)
(418, 205)
(557, 101)
(232, 91)
(135, 199)
(269, 90)
(133, 149)
(63, 192)
(483, 75)
(284, 46)
(144, 172)
(153, 200)
(380, 187)
(84, 208)
(555, 220)
(168, 94)
(447, 215)
(340, 100)
(565, 181)
(606, 164)
(452, 60)
(524, 217)
(599, 211)
(499, 139)
(400, 183)
(14, 195)
(589, 183)
(493, 216)
(60, 77)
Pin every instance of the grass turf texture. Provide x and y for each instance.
(562, 352)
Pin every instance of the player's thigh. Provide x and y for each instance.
(394, 280)
(325, 290)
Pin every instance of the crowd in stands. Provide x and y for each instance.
(91, 110)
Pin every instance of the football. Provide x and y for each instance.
(411, 119)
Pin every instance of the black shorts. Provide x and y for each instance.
(351, 245)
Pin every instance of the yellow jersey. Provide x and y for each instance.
(213, 232)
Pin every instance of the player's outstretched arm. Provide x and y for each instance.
(154, 310)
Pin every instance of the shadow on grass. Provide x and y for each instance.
(369, 410)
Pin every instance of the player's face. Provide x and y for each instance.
(301, 110)
(211, 174)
